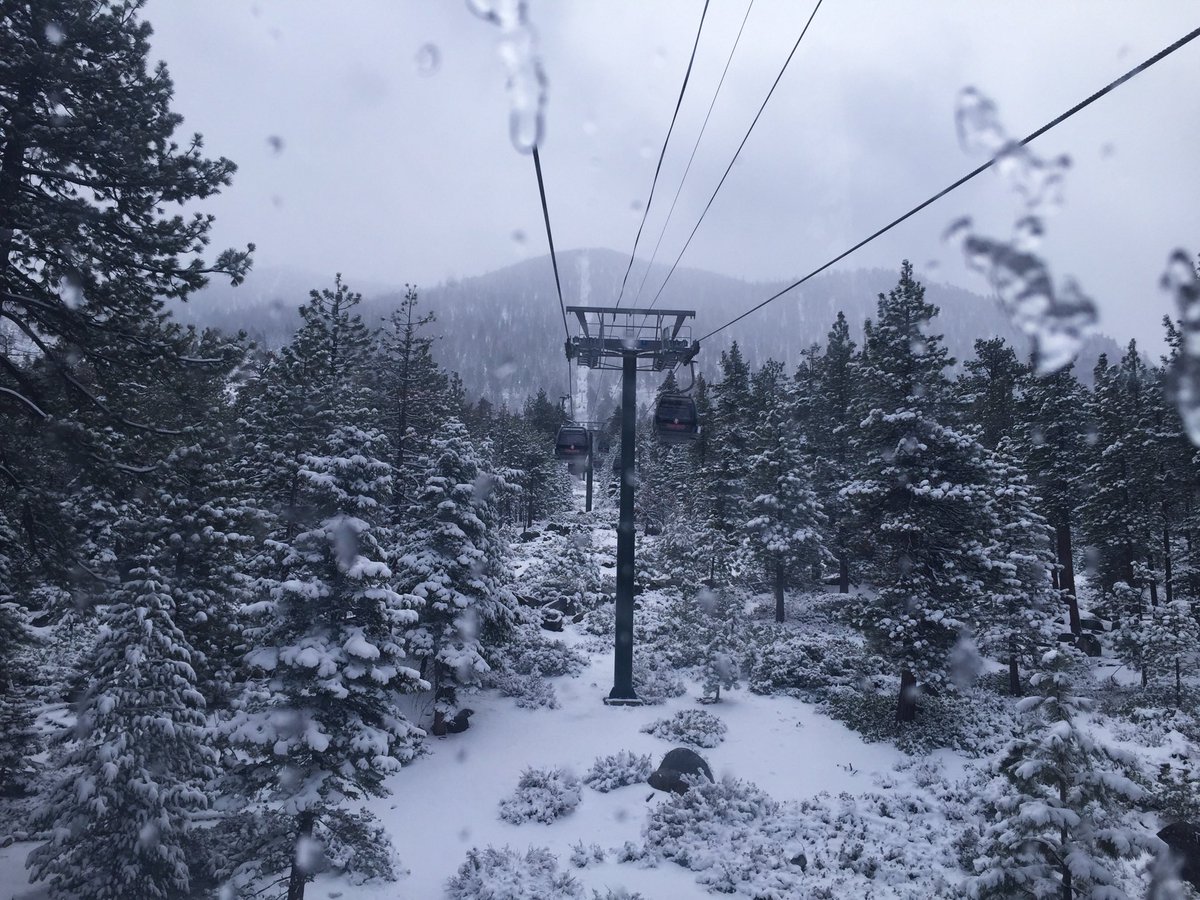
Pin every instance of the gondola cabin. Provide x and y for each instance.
(574, 444)
(675, 419)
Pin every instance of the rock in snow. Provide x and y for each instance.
(680, 762)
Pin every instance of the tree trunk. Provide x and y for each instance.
(906, 702)
(1154, 592)
(1168, 587)
(780, 578)
(1178, 686)
(1064, 836)
(299, 877)
(1014, 672)
(843, 573)
(1066, 577)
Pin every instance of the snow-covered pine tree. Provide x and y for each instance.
(829, 423)
(722, 482)
(1118, 509)
(785, 525)
(922, 496)
(1059, 816)
(1158, 639)
(411, 389)
(1053, 444)
(16, 735)
(319, 381)
(138, 758)
(1016, 618)
(320, 722)
(988, 390)
(1175, 637)
(456, 567)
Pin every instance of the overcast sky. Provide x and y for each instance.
(391, 173)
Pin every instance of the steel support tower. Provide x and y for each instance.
(629, 340)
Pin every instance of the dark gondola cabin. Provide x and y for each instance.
(574, 444)
(675, 419)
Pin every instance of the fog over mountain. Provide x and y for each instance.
(502, 331)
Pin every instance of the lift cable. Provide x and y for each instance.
(663, 152)
(537, 167)
(729, 168)
(1162, 54)
(695, 147)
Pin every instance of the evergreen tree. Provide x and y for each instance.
(784, 520)
(988, 390)
(456, 568)
(88, 251)
(1016, 618)
(1054, 443)
(1119, 508)
(16, 734)
(300, 396)
(1058, 822)
(725, 460)
(922, 497)
(117, 821)
(829, 424)
(412, 389)
(328, 640)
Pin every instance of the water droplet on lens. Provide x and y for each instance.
(429, 59)
(275, 142)
(957, 230)
(54, 34)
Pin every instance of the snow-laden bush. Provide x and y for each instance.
(600, 621)
(528, 650)
(802, 664)
(530, 691)
(689, 726)
(977, 723)
(733, 836)
(616, 894)
(492, 874)
(618, 770)
(655, 685)
(542, 795)
(894, 842)
(583, 856)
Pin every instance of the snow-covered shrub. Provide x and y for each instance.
(893, 842)
(689, 726)
(803, 664)
(600, 621)
(1176, 792)
(616, 894)
(504, 874)
(618, 770)
(582, 857)
(528, 651)
(530, 691)
(655, 683)
(732, 835)
(976, 723)
(542, 795)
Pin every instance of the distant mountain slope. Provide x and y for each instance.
(502, 331)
